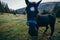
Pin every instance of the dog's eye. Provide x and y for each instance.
(32, 9)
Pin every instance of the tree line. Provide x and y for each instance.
(55, 11)
(5, 9)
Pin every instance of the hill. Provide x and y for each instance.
(48, 5)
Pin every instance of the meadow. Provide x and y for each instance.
(14, 27)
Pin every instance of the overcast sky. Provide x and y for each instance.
(16, 4)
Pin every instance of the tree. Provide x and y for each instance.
(57, 10)
(6, 8)
(1, 8)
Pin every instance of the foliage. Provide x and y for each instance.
(57, 10)
(3, 7)
(6, 8)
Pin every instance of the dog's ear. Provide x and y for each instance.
(27, 2)
(39, 2)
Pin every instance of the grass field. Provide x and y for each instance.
(14, 28)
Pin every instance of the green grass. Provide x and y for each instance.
(14, 28)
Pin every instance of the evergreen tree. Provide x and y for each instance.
(6, 8)
(57, 10)
(1, 8)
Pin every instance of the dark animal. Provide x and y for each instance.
(34, 20)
